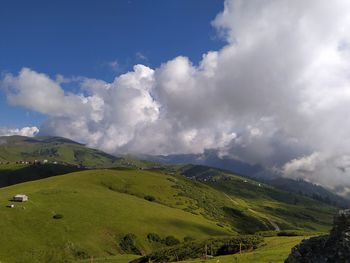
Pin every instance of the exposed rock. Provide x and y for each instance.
(334, 247)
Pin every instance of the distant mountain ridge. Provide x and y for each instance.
(62, 150)
(210, 158)
(71, 153)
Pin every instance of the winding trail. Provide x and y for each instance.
(229, 197)
(275, 226)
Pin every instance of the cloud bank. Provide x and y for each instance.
(26, 131)
(277, 94)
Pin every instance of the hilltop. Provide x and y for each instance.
(99, 208)
(19, 148)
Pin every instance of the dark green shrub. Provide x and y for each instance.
(287, 233)
(267, 233)
(128, 244)
(293, 233)
(150, 198)
(171, 241)
(154, 237)
(57, 216)
(81, 254)
(196, 249)
(188, 238)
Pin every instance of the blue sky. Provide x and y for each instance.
(85, 38)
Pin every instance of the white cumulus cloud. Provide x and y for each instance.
(278, 94)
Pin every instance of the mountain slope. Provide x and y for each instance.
(285, 209)
(68, 152)
(101, 207)
(18, 148)
(107, 212)
(257, 172)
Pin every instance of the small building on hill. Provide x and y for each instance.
(20, 198)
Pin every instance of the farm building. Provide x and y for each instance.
(20, 198)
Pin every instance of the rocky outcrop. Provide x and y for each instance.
(326, 249)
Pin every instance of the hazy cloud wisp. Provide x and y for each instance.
(26, 131)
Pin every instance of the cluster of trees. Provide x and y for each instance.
(324, 199)
(168, 240)
(197, 249)
(129, 244)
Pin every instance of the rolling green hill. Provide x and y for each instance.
(276, 250)
(100, 208)
(282, 210)
(212, 158)
(109, 207)
(19, 148)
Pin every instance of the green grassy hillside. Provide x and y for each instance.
(96, 216)
(275, 250)
(284, 210)
(137, 208)
(100, 208)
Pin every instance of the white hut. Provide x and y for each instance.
(20, 198)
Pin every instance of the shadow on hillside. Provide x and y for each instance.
(195, 226)
(33, 172)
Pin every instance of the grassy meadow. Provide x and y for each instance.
(115, 213)
(99, 207)
(95, 216)
(276, 250)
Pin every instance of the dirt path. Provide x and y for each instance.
(275, 226)
(229, 197)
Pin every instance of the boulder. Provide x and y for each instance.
(332, 248)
